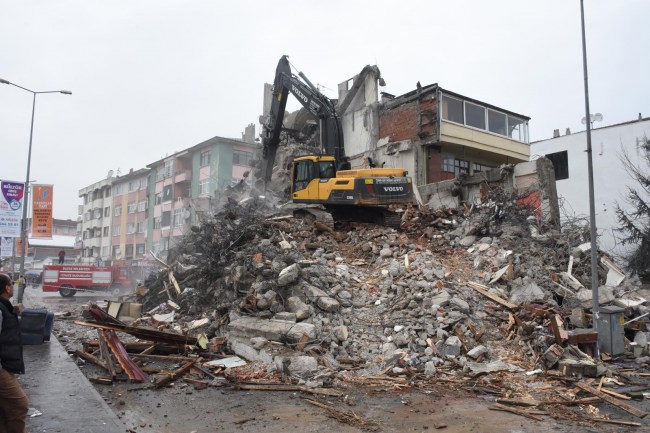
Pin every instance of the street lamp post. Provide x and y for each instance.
(592, 206)
(23, 224)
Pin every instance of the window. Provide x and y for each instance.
(142, 205)
(476, 167)
(158, 198)
(130, 228)
(139, 249)
(560, 164)
(167, 193)
(475, 115)
(204, 187)
(118, 189)
(107, 211)
(129, 251)
(107, 193)
(144, 182)
(131, 207)
(304, 174)
(205, 158)
(179, 218)
(241, 158)
(169, 168)
(116, 252)
(452, 109)
(456, 166)
(156, 223)
(104, 251)
(140, 227)
(516, 129)
(98, 233)
(116, 230)
(105, 231)
(326, 169)
(496, 122)
(166, 219)
(84, 235)
(134, 185)
(97, 213)
(118, 211)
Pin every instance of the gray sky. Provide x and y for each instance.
(152, 77)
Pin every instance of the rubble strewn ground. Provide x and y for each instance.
(478, 301)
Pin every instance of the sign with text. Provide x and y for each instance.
(42, 211)
(11, 208)
(6, 246)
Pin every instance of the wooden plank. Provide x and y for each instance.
(611, 400)
(615, 394)
(106, 354)
(159, 383)
(483, 290)
(283, 387)
(515, 411)
(559, 333)
(172, 280)
(90, 358)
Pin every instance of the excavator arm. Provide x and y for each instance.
(320, 106)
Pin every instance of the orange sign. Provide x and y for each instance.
(42, 211)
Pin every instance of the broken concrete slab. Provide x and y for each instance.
(320, 298)
(273, 330)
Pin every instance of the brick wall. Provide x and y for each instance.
(414, 120)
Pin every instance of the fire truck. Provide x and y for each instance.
(68, 279)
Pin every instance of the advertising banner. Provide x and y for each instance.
(11, 208)
(42, 211)
(6, 246)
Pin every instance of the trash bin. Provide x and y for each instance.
(36, 326)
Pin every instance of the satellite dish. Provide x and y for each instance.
(593, 118)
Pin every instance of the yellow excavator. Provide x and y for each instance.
(335, 191)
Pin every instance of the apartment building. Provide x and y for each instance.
(191, 182)
(94, 221)
(434, 133)
(129, 215)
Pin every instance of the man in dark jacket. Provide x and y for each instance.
(13, 401)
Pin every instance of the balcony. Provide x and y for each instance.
(183, 176)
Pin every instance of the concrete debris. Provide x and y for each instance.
(453, 295)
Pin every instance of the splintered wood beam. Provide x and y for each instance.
(483, 290)
(143, 333)
(163, 381)
(130, 368)
(90, 358)
(106, 354)
(611, 400)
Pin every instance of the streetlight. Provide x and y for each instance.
(592, 206)
(23, 232)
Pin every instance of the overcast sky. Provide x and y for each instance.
(152, 77)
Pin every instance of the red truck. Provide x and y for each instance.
(68, 279)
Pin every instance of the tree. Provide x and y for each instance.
(635, 224)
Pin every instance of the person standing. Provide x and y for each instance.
(13, 400)
(61, 257)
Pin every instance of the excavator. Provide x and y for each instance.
(324, 184)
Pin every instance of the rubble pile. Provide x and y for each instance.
(456, 294)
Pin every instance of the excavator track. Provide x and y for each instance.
(391, 219)
(315, 215)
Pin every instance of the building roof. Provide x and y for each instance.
(211, 141)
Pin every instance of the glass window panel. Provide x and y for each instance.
(496, 122)
(475, 115)
(452, 109)
(516, 128)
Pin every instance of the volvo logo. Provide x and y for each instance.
(394, 188)
(298, 93)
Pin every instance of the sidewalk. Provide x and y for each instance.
(57, 389)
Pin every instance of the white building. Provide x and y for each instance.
(611, 180)
(94, 221)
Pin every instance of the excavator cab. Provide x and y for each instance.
(310, 176)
